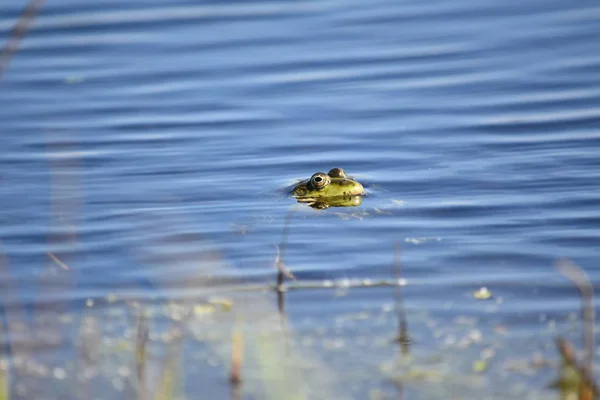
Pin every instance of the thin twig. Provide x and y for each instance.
(141, 353)
(567, 352)
(282, 271)
(403, 337)
(282, 247)
(586, 291)
(399, 391)
(57, 260)
(6, 349)
(237, 357)
(170, 380)
(18, 33)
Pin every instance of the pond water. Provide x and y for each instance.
(146, 146)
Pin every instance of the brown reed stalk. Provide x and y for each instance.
(18, 33)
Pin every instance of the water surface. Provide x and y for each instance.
(142, 143)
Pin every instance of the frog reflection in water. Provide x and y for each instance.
(334, 189)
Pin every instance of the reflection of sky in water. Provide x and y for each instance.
(147, 145)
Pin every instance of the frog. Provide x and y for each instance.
(332, 189)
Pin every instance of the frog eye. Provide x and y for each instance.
(337, 173)
(319, 180)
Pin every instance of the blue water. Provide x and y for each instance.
(137, 139)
